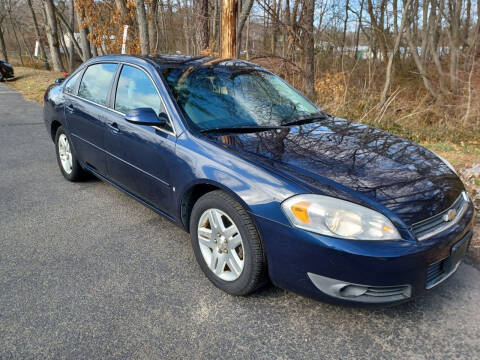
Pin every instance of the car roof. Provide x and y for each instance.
(166, 61)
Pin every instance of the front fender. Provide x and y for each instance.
(258, 190)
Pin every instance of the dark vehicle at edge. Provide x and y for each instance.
(6, 71)
(268, 185)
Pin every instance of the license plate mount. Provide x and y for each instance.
(456, 254)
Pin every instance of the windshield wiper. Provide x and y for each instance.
(241, 129)
(306, 120)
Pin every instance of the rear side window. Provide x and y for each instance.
(96, 82)
(136, 90)
(71, 84)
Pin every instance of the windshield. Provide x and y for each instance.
(222, 97)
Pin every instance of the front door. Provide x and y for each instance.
(139, 156)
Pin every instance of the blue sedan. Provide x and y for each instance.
(269, 186)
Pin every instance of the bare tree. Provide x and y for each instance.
(143, 27)
(3, 48)
(244, 15)
(52, 35)
(202, 30)
(309, 70)
(392, 54)
(43, 54)
(83, 30)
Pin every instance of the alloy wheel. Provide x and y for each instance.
(221, 244)
(65, 153)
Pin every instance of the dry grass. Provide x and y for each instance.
(33, 83)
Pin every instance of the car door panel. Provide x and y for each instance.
(87, 125)
(86, 113)
(138, 155)
(138, 158)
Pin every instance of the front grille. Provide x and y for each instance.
(435, 273)
(436, 224)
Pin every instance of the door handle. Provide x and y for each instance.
(113, 127)
(70, 108)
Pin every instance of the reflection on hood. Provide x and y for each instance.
(406, 178)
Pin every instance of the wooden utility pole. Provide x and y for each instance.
(229, 29)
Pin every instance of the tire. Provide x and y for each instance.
(249, 256)
(71, 169)
(2, 78)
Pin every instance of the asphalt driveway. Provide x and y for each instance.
(87, 272)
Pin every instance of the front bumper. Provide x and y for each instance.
(293, 254)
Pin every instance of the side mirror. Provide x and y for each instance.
(59, 80)
(146, 116)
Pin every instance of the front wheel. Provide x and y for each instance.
(227, 245)
(66, 158)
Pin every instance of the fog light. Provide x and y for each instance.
(353, 291)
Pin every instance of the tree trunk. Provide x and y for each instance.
(38, 36)
(84, 43)
(357, 34)
(70, 34)
(454, 43)
(228, 29)
(3, 48)
(477, 33)
(52, 36)
(153, 25)
(379, 31)
(391, 56)
(19, 48)
(247, 49)
(24, 42)
(309, 71)
(244, 14)
(202, 32)
(467, 23)
(122, 7)
(143, 27)
(420, 65)
(345, 23)
(71, 45)
(93, 48)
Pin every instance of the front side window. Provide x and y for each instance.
(71, 84)
(236, 97)
(96, 82)
(136, 90)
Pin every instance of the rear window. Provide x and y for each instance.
(96, 82)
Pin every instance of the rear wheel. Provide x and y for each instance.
(66, 158)
(227, 245)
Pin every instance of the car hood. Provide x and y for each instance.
(406, 178)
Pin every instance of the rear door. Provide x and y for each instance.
(140, 157)
(86, 114)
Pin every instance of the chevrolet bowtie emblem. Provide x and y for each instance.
(450, 215)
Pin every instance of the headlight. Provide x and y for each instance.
(338, 218)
